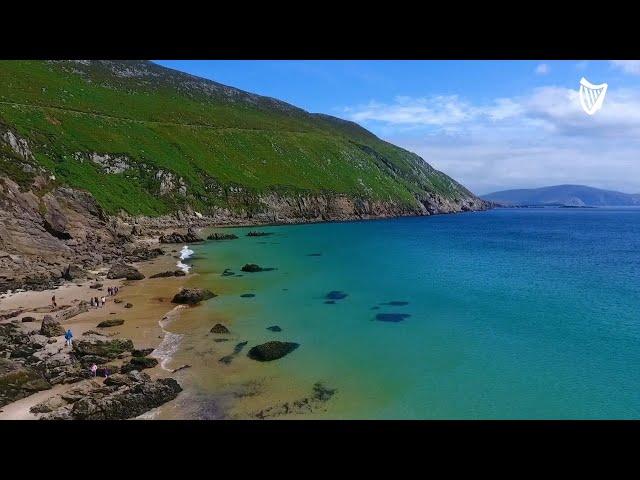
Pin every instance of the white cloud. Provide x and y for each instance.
(541, 138)
(543, 69)
(627, 66)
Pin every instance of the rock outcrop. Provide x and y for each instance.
(190, 237)
(192, 296)
(120, 397)
(222, 236)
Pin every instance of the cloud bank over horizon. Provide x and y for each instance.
(540, 138)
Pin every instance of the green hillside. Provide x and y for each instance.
(147, 140)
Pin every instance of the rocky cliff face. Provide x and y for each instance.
(48, 227)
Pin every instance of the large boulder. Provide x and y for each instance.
(122, 270)
(191, 296)
(102, 348)
(51, 327)
(271, 350)
(18, 381)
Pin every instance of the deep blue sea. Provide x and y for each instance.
(510, 313)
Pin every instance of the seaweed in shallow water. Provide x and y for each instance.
(391, 317)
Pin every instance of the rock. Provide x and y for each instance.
(112, 322)
(258, 234)
(18, 381)
(131, 402)
(117, 300)
(51, 327)
(122, 270)
(143, 352)
(190, 237)
(222, 236)
(247, 295)
(273, 350)
(102, 348)
(274, 328)
(118, 380)
(139, 363)
(251, 267)
(128, 305)
(191, 296)
(89, 360)
(218, 328)
(172, 273)
(227, 273)
(96, 285)
(28, 319)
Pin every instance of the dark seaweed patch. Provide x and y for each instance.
(314, 255)
(274, 328)
(336, 295)
(248, 295)
(391, 317)
(396, 303)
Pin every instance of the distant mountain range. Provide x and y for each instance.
(564, 195)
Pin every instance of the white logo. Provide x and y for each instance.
(592, 96)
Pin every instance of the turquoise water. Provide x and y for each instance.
(513, 313)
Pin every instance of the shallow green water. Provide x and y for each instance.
(523, 313)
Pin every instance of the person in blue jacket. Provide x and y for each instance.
(68, 336)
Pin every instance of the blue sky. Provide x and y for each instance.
(490, 124)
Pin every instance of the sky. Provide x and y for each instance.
(491, 125)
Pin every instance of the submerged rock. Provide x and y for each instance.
(396, 303)
(273, 350)
(222, 236)
(172, 273)
(258, 234)
(51, 327)
(112, 322)
(247, 295)
(227, 273)
(218, 328)
(274, 328)
(191, 296)
(122, 270)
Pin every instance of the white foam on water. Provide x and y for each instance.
(185, 253)
(170, 342)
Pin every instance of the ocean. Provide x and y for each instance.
(505, 314)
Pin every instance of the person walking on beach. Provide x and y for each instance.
(53, 301)
(104, 300)
(68, 338)
(94, 369)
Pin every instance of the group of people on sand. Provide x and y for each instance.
(99, 302)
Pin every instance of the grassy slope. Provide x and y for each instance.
(213, 136)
